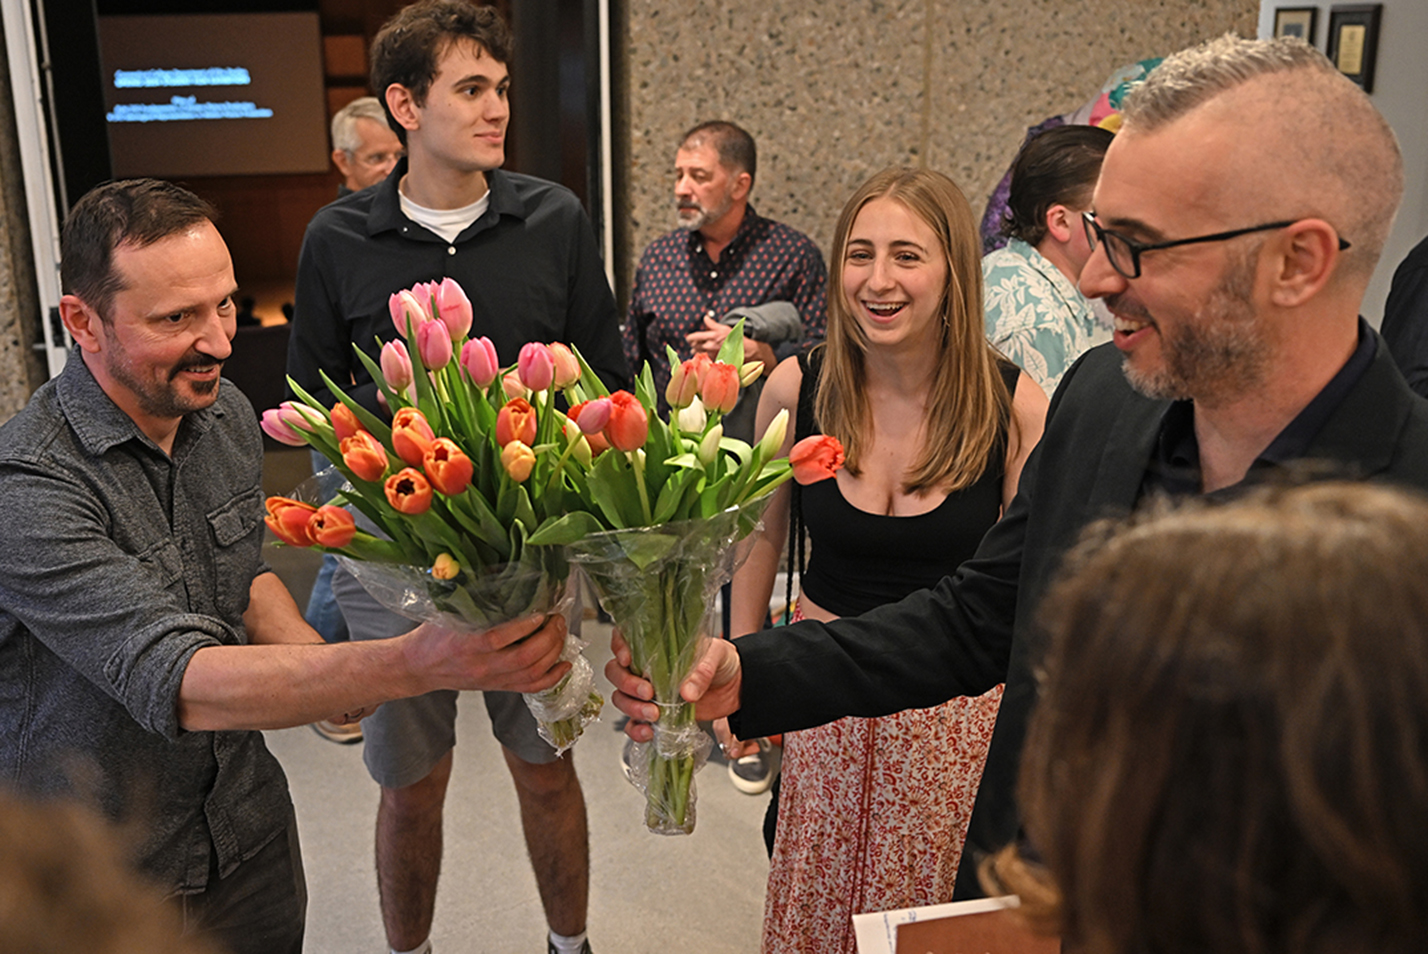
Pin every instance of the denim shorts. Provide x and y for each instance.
(404, 739)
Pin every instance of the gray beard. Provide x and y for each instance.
(1220, 354)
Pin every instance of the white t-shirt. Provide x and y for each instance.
(448, 223)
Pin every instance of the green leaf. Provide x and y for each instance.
(491, 528)
(688, 460)
(590, 381)
(506, 503)
(612, 488)
(366, 418)
(643, 549)
(375, 371)
(732, 350)
(714, 498)
(738, 448)
(672, 494)
(565, 529)
(525, 513)
(645, 392)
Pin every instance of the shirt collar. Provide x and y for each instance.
(1063, 286)
(100, 423)
(752, 222)
(1175, 467)
(1293, 442)
(386, 212)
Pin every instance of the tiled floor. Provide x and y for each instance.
(701, 894)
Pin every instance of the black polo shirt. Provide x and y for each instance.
(530, 266)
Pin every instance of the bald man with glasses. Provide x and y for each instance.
(1238, 357)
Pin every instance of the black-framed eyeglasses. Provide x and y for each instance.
(1124, 253)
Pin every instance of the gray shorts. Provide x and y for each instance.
(405, 738)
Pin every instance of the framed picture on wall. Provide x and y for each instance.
(1296, 21)
(1353, 40)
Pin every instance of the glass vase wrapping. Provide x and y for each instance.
(658, 584)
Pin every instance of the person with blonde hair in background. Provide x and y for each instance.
(1229, 750)
(936, 426)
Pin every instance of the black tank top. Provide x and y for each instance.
(861, 560)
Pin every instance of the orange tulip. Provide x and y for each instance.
(344, 422)
(332, 527)
(629, 425)
(598, 444)
(816, 458)
(518, 460)
(408, 491)
(411, 435)
(364, 455)
(683, 384)
(720, 390)
(288, 519)
(447, 467)
(445, 567)
(516, 421)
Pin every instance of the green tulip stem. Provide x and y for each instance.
(638, 464)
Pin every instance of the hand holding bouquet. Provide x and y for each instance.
(484, 490)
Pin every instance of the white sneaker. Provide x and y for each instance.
(754, 774)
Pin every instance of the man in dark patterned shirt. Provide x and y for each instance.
(723, 256)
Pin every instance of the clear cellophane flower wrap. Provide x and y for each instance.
(480, 601)
(658, 584)
(541, 582)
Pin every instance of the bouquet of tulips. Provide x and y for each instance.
(454, 487)
(485, 490)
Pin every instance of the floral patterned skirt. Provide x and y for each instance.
(872, 816)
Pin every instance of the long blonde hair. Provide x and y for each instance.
(968, 404)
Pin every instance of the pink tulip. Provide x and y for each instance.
(478, 357)
(591, 416)
(512, 386)
(396, 366)
(453, 308)
(402, 304)
(434, 345)
(567, 366)
(284, 424)
(535, 366)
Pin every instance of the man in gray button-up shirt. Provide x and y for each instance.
(142, 639)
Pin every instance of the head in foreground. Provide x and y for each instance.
(66, 886)
(1229, 752)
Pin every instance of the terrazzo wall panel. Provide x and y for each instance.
(834, 91)
(21, 370)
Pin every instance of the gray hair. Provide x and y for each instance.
(1336, 157)
(1198, 74)
(344, 124)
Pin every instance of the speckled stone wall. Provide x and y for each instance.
(834, 91)
(21, 370)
